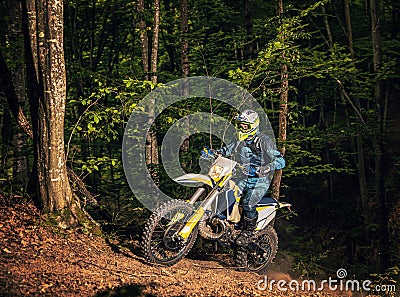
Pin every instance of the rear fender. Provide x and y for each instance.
(266, 209)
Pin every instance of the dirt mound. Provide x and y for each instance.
(38, 259)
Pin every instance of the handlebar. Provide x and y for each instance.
(246, 169)
(251, 169)
(207, 154)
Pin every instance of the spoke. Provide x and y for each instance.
(161, 226)
(164, 246)
(154, 247)
(158, 231)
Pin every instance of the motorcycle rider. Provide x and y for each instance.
(259, 156)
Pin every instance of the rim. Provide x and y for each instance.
(165, 244)
(255, 260)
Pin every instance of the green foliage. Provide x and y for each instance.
(106, 81)
(322, 125)
(387, 279)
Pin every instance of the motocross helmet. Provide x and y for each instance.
(247, 124)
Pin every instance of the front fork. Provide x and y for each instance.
(198, 213)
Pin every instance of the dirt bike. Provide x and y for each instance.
(214, 212)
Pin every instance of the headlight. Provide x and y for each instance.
(216, 171)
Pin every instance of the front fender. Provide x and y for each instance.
(194, 179)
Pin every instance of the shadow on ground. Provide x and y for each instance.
(131, 290)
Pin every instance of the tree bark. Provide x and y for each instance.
(46, 88)
(169, 36)
(359, 146)
(395, 18)
(152, 147)
(327, 27)
(283, 111)
(144, 39)
(150, 67)
(379, 98)
(349, 28)
(184, 39)
(185, 67)
(12, 98)
(54, 188)
(154, 47)
(249, 47)
(20, 143)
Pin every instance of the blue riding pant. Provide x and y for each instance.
(253, 190)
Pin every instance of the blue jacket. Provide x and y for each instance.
(255, 153)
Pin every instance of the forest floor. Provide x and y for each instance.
(39, 259)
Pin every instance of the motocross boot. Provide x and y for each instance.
(248, 232)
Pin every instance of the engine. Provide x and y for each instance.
(212, 229)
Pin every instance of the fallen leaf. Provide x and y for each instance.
(7, 250)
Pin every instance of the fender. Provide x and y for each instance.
(193, 178)
(266, 209)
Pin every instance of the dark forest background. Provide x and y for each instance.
(335, 63)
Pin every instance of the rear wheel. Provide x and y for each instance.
(161, 243)
(260, 253)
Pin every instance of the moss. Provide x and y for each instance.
(85, 222)
(73, 217)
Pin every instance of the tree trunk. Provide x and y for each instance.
(144, 39)
(49, 107)
(395, 18)
(44, 50)
(185, 69)
(379, 98)
(152, 148)
(20, 141)
(359, 146)
(150, 67)
(327, 27)
(330, 46)
(184, 39)
(249, 47)
(169, 37)
(154, 46)
(283, 111)
(12, 98)
(349, 27)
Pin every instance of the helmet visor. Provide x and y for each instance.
(243, 127)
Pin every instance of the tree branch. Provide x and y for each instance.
(12, 99)
(351, 102)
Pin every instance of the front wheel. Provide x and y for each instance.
(260, 253)
(161, 243)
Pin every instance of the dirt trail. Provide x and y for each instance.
(37, 259)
